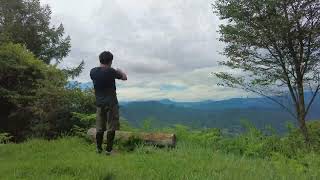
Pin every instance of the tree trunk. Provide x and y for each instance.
(301, 110)
(157, 139)
(303, 127)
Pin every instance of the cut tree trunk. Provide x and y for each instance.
(157, 139)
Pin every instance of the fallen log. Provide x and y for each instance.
(157, 139)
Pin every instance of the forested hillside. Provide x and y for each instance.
(226, 114)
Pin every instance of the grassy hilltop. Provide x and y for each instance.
(73, 158)
(198, 155)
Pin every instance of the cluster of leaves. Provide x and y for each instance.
(28, 89)
(253, 142)
(5, 138)
(27, 22)
(129, 145)
(68, 114)
(273, 49)
(34, 98)
(204, 137)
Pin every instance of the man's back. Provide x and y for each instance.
(104, 79)
(104, 84)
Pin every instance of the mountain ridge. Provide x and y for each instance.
(225, 114)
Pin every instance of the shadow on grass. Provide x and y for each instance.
(109, 176)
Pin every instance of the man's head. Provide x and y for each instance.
(106, 58)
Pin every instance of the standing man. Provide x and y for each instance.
(103, 78)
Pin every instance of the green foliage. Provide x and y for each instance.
(34, 98)
(84, 120)
(273, 47)
(79, 132)
(125, 125)
(81, 123)
(314, 132)
(27, 22)
(268, 40)
(74, 102)
(5, 138)
(30, 90)
(255, 143)
(295, 138)
(205, 137)
(129, 145)
(182, 132)
(76, 110)
(147, 124)
(252, 142)
(74, 72)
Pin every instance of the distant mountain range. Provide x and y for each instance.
(226, 114)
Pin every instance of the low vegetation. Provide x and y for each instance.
(205, 154)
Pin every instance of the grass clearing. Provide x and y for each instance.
(74, 158)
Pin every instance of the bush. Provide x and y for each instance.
(252, 143)
(314, 132)
(295, 141)
(206, 137)
(35, 99)
(129, 145)
(30, 90)
(255, 143)
(5, 138)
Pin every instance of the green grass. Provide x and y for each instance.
(73, 158)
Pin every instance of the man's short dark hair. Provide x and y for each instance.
(106, 57)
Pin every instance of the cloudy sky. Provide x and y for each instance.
(168, 48)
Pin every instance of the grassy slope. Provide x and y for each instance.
(73, 158)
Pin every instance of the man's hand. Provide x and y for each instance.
(123, 75)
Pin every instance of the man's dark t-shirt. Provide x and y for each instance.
(104, 84)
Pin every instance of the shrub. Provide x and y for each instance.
(206, 137)
(34, 97)
(5, 138)
(254, 143)
(294, 141)
(129, 145)
(30, 90)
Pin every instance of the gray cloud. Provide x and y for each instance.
(156, 42)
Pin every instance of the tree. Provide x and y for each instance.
(27, 22)
(34, 97)
(276, 47)
(30, 90)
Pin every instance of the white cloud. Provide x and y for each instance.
(156, 42)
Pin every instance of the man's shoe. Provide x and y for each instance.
(108, 153)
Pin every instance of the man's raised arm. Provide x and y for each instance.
(123, 75)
